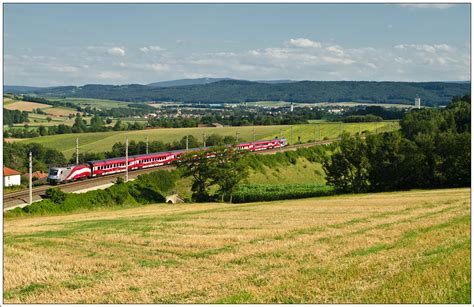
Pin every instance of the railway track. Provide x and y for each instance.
(18, 198)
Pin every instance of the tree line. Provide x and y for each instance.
(11, 117)
(431, 150)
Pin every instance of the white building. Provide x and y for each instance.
(418, 102)
(11, 177)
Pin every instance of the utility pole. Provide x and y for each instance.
(291, 135)
(204, 139)
(77, 151)
(187, 142)
(146, 145)
(126, 160)
(31, 177)
(315, 134)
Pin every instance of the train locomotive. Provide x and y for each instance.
(105, 167)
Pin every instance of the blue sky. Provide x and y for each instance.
(76, 44)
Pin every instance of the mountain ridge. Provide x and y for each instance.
(236, 91)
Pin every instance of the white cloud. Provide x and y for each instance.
(425, 47)
(151, 49)
(336, 49)
(444, 47)
(158, 67)
(64, 68)
(304, 42)
(441, 6)
(110, 75)
(372, 65)
(120, 51)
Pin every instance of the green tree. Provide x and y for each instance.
(228, 170)
(79, 124)
(97, 121)
(118, 125)
(348, 168)
(196, 164)
(42, 130)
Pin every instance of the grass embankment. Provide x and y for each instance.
(103, 141)
(405, 247)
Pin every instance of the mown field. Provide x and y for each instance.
(26, 106)
(102, 141)
(405, 247)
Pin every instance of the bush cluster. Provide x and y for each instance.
(147, 189)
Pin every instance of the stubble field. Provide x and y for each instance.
(26, 106)
(404, 247)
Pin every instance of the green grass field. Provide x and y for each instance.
(303, 172)
(99, 103)
(325, 104)
(405, 247)
(102, 141)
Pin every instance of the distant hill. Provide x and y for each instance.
(235, 91)
(275, 81)
(182, 82)
(20, 89)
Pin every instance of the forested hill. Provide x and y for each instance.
(232, 91)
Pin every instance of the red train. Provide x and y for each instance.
(117, 165)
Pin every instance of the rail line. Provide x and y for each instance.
(13, 199)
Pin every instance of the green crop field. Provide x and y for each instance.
(102, 141)
(403, 247)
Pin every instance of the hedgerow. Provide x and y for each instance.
(147, 189)
(262, 192)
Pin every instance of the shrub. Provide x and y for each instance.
(55, 195)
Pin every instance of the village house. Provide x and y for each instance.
(11, 177)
